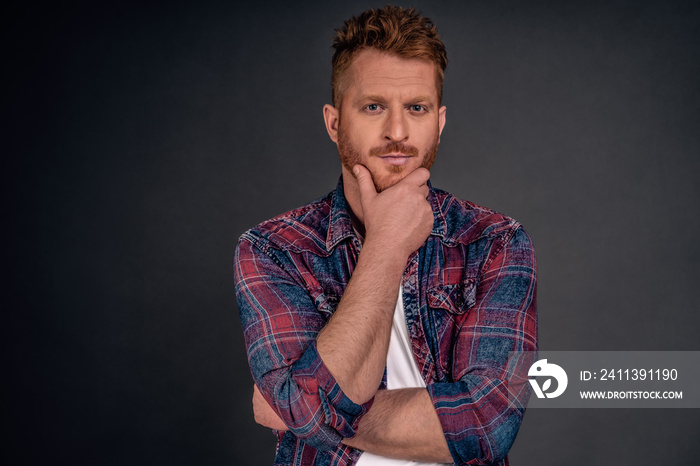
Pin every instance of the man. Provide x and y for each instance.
(379, 319)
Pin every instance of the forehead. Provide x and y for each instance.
(373, 72)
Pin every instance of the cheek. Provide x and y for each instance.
(428, 134)
(361, 139)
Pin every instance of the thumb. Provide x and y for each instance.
(365, 183)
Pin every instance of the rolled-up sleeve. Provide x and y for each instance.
(482, 407)
(280, 324)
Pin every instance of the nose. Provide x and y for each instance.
(395, 129)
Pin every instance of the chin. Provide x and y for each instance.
(382, 182)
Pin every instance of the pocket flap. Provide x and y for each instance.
(455, 299)
(326, 303)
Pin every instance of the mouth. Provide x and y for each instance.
(396, 158)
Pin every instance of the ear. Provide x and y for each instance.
(442, 119)
(330, 115)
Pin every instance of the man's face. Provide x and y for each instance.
(389, 120)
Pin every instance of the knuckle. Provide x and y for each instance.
(423, 173)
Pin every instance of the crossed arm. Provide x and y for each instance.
(401, 424)
(352, 346)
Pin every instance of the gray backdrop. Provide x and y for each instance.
(140, 140)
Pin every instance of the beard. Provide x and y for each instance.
(350, 156)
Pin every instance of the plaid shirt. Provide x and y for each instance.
(469, 297)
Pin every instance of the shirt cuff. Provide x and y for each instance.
(478, 430)
(340, 412)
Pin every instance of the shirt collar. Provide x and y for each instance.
(340, 224)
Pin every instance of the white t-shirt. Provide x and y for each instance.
(401, 372)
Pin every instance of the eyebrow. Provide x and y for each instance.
(421, 98)
(369, 97)
(382, 100)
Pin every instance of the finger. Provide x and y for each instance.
(425, 190)
(419, 176)
(364, 181)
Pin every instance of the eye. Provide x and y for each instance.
(417, 108)
(373, 107)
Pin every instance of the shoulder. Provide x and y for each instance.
(466, 222)
(300, 229)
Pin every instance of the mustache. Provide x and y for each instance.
(394, 147)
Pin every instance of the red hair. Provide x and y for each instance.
(391, 29)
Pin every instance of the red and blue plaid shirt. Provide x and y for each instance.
(469, 295)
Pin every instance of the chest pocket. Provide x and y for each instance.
(455, 299)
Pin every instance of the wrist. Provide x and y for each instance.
(385, 254)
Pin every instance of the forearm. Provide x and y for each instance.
(354, 343)
(397, 221)
(402, 424)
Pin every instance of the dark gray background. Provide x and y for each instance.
(139, 141)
